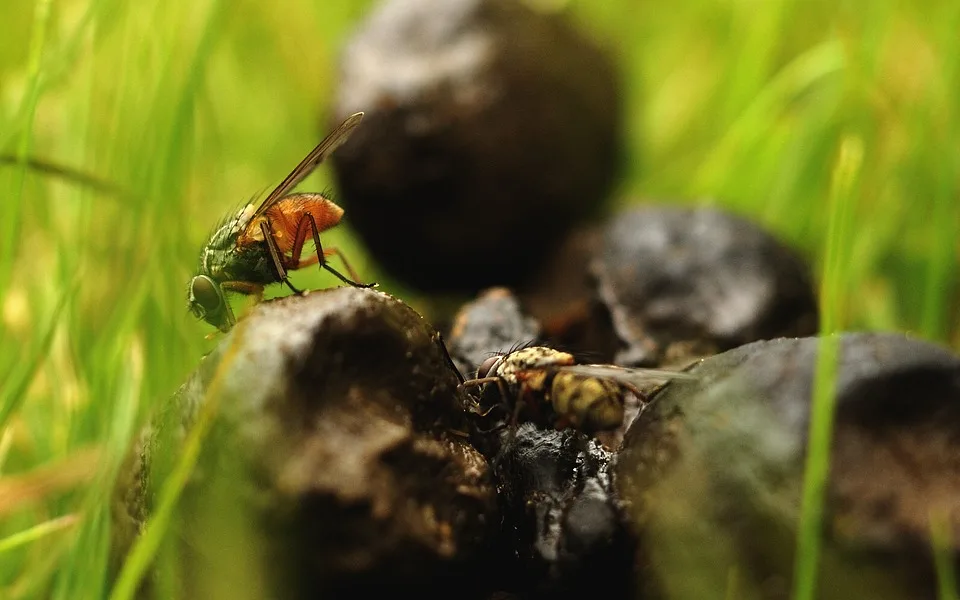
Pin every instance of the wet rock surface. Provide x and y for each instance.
(490, 130)
(712, 470)
(697, 281)
(561, 522)
(341, 416)
(493, 322)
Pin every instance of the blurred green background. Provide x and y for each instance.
(192, 108)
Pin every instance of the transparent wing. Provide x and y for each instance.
(312, 160)
(637, 377)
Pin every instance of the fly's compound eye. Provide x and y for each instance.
(487, 366)
(205, 297)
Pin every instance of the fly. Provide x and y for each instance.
(548, 382)
(259, 245)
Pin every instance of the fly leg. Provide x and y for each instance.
(275, 255)
(307, 221)
(482, 381)
(642, 398)
(475, 409)
(241, 287)
(504, 395)
(635, 391)
(330, 250)
(244, 287)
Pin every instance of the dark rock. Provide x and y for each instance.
(490, 130)
(713, 470)
(340, 424)
(698, 281)
(561, 520)
(493, 322)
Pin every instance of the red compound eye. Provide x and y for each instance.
(487, 366)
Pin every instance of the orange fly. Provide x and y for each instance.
(259, 245)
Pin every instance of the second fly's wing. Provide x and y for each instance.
(310, 162)
(637, 377)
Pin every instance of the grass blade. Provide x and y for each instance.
(11, 234)
(943, 555)
(33, 487)
(66, 173)
(37, 532)
(14, 389)
(817, 468)
(146, 546)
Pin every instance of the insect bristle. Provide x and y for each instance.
(329, 194)
(521, 346)
(584, 356)
(514, 348)
(232, 213)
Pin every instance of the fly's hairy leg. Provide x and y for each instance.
(635, 391)
(477, 383)
(327, 253)
(275, 254)
(481, 381)
(343, 258)
(244, 287)
(504, 394)
(502, 387)
(309, 225)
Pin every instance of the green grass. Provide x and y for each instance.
(943, 555)
(194, 107)
(817, 471)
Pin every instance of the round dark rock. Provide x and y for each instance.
(712, 471)
(493, 322)
(675, 277)
(490, 130)
(340, 425)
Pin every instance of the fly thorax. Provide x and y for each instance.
(222, 246)
(226, 236)
(215, 261)
(534, 357)
(243, 217)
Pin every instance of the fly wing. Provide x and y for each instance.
(312, 160)
(636, 377)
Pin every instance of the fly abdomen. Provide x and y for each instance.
(588, 403)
